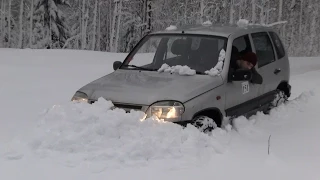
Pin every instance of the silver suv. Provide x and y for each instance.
(185, 75)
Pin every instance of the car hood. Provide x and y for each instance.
(147, 87)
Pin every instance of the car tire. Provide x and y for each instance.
(279, 99)
(204, 123)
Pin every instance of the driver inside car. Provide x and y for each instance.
(246, 62)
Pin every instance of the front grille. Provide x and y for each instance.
(127, 106)
(91, 101)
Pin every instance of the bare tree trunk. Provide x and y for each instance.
(94, 25)
(300, 20)
(148, 16)
(83, 28)
(280, 10)
(50, 33)
(112, 36)
(268, 13)
(313, 30)
(253, 14)
(9, 24)
(118, 26)
(144, 11)
(231, 11)
(110, 24)
(31, 24)
(201, 11)
(240, 9)
(262, 13)
(21, 25)
(3, 16)
(318, 10)
(99, 26)
(185, 11)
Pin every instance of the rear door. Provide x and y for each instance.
(269, 66)
(281, 55)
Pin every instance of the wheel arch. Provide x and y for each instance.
(286, 87)
(213, 113)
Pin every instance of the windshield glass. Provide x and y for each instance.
(200, 53)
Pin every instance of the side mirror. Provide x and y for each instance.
(116, 65)
(241, 75)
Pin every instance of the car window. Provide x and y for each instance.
(278, 45)
(200, 53)
(264, 49)
(146, 53)
(242, 44)
(239, 46)
(169, 54)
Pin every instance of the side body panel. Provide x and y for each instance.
(273, 73)
(214, 98)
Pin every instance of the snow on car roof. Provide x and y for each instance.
(224, 30)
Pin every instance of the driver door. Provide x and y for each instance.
(240, 95)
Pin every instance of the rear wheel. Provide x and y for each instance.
(204, 123)
(279, 99)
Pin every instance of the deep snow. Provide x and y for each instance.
(45, 136)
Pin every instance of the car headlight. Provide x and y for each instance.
(80, 97)
(166, 110)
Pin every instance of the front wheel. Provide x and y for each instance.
(204, 123)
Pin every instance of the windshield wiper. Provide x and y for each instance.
(138, 67)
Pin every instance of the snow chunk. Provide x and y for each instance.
(163, 68)
(82, 132)
(243, 23)
(182, 70)
(171, 28)
(207, 23)
(215, 71)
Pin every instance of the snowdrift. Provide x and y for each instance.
(80, 132)
(82, 141)
(97, 133)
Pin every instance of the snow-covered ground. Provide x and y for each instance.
(45, 136)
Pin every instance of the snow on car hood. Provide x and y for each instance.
(147, 87)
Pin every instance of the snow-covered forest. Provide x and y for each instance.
(117, 25)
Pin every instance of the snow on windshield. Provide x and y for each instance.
(215, 71)
(181, 70)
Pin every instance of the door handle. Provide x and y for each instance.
(276, 71)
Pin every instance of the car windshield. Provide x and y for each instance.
(200, 53)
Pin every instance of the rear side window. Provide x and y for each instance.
(278, 45)
(264, 48)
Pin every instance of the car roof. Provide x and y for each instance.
(224, 30)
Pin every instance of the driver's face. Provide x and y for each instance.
(246, 65)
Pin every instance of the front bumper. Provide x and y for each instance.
(129, 107)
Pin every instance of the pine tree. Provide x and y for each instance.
(52, 20)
